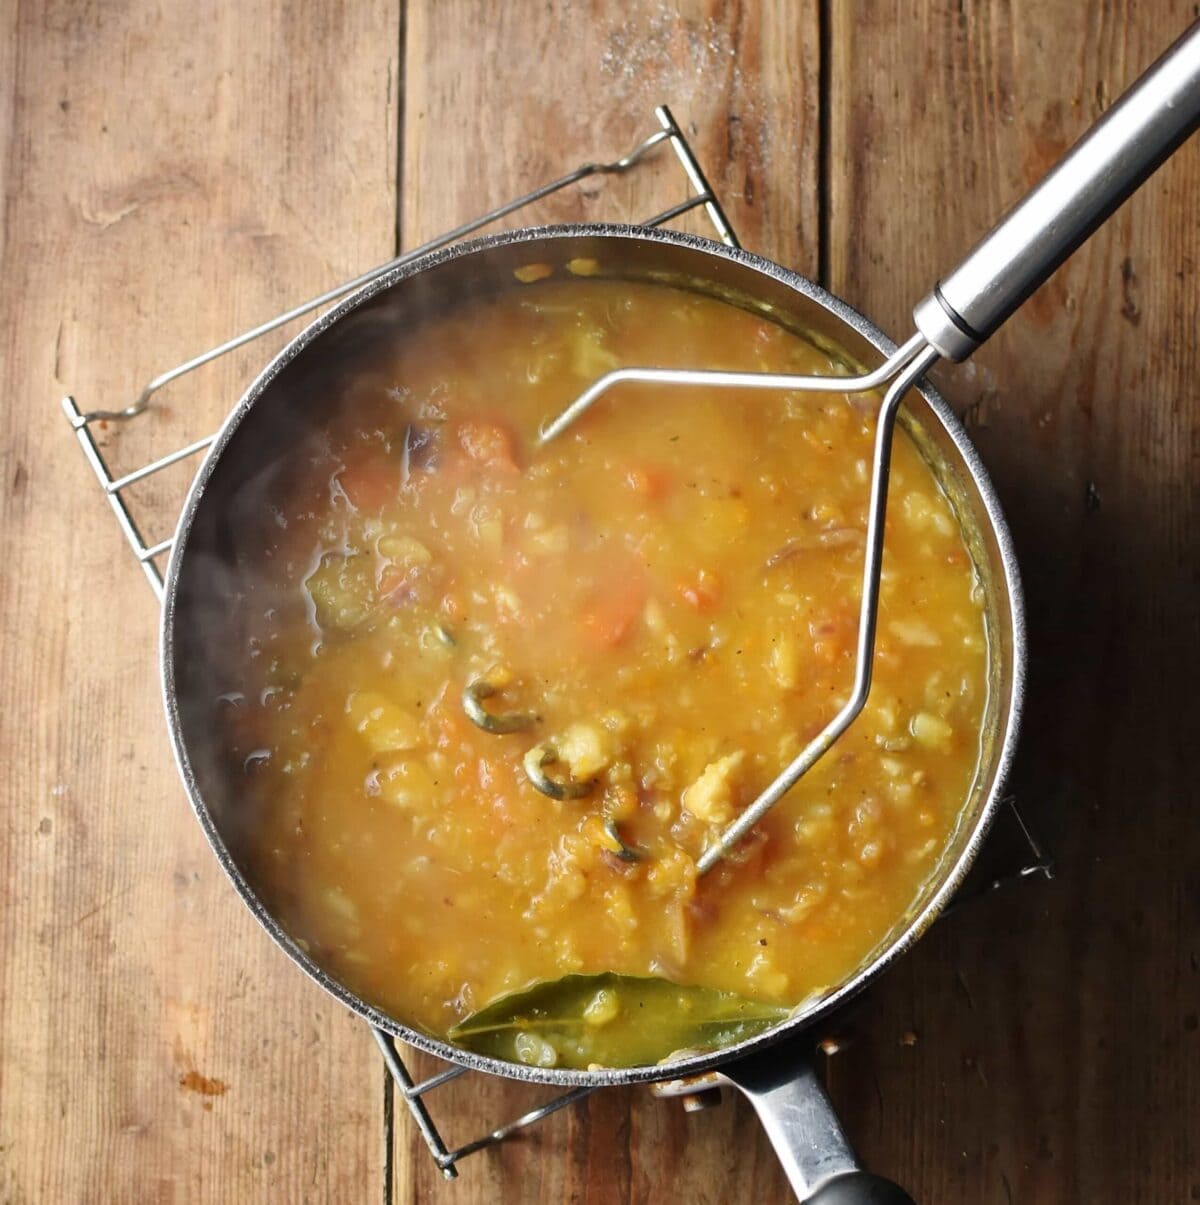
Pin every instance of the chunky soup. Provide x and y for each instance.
(497, 697)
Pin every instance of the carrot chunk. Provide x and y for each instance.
(488, 443)
(610, 616)
(648, 481)
(370, 479)
(702, 593)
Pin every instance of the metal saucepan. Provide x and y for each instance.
(206, 571)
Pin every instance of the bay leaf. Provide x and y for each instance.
(610, 1020)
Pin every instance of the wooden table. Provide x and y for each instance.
(175, 172)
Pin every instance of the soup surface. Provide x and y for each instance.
(647, 617)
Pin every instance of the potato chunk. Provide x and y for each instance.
(931, 731)
(586, 748)
(528, 273)
(710, 797)
(784, 662)
(342, 589)
(404, 550)
(408, 785)
(915, 632)
(385, 727)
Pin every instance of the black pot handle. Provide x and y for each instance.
(782, 1084)
(859, 1188)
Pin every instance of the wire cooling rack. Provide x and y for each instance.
(1032, 861)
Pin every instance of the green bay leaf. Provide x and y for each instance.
(611, 1020)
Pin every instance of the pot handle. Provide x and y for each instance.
(791, 1102)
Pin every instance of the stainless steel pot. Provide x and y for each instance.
(208, 570)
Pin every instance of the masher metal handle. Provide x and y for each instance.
(1133, 138)
(1104, 167)
(967, 306)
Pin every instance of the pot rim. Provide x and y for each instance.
(953, 874)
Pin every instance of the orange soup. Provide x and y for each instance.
(502, 694)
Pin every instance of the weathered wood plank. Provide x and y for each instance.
(1057, 1048)
(618, 1145)
(501, 98)
(202, 173)
(170, 175)
(497, 100)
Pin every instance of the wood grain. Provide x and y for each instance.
(170, 175)
(499, 98)
(1058, 1057)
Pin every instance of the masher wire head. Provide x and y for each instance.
(899, 372)
(969, 304)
